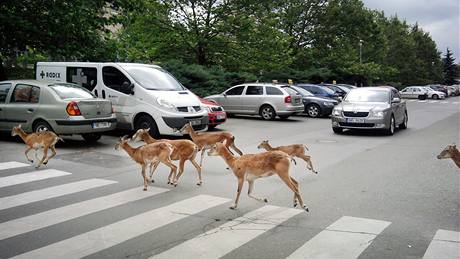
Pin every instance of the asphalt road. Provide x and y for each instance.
(375, 196)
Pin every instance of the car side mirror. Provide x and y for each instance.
(396, 100)
(127, 88)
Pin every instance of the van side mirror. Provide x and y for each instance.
(127, 88)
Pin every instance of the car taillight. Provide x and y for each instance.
(288, 99)
(72, 109)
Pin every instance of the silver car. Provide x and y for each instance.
(370, 108)
(264, 99)
(60, 107)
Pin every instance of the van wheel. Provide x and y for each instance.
(91, 137)
(41, 125)
(144, 122)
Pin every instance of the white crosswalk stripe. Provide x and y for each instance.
(455, 102)
(433, 101)
(11, 165)
(422, 101)
(444, 102)
(222, 240)
(346, 238)
(445, 245)
(55, 216)
(30, 177)
(116, 233)
(51, 192)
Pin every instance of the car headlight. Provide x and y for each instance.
(377, 114)
(328, 103)
(336, 112)
(166, 104)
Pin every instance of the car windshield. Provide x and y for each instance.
(302, 91)
(71, 91)
(154, 78)
(366, 95)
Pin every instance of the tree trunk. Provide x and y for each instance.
(201, 55)
(2, 71)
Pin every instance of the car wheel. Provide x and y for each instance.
(313, 110)
(391, 129)
(284, 117)
(91, 137)
(435, 96)
(403, 125)
(40, 126)
(267, 112)
(337, 130)
(146, 122)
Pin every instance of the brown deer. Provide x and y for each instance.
(45, 139)
(451, 151)
(204, 140)
(184, 150)
(250, 167)
(295, 150)
(149, 154)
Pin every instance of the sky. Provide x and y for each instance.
(440, 18)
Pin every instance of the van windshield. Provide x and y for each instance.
(153, 78)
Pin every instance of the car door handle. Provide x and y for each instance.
(30, 110)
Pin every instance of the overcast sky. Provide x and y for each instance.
(440, 18)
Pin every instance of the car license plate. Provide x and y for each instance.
(220, 116)
(195, 122)
(101, 125)
(355, 120)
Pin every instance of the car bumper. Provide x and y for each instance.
(367, 123)
(78, 125)
(291, 110)
(216, 118)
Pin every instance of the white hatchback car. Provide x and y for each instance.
(421, 92)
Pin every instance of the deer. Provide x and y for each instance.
(148, 154)
(295, 150)
(250, 167)
(206, 140)
(184, 150)
(40, 140)
(452, 152)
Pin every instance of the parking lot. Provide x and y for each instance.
(375, 196)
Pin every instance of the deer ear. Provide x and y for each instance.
(20, 126)
(148, 130)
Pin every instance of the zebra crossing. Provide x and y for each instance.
(457, 103)
(347, 237)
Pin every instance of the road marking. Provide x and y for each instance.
(12, 164)
(445, 245)
(30, 177)
(411, 101)
(455, 102)
(346, 238)
(52, 192)
(433, 101)
(222, 240)
(121, 231)
(444, 102)
(72, 211)
(421, 101)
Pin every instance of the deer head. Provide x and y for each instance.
(186, 129)
(264, 144)
(447, 152)
(138, 136)
(15, 131)
(215, 149)
(123, 140)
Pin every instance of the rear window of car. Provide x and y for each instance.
(68, 91)
(289, 90)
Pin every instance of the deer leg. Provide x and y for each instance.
(238, 192)
(45, 153)
(144, 176)
(153, 169)
(309, 164)
(27, 156)
(250, 189)
(198, 169)
(230, 143)
(172, 175)
(53, 150)
(287, 180)
(296, 184)
(181, 169)
(202, 156)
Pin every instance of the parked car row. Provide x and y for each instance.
(430, 91)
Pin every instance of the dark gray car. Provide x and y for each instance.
(316, 106)
(378, 108)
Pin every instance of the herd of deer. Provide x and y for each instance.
(246, 167)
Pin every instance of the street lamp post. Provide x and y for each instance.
(361, 51)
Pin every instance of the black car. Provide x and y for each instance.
(316, 106)
(339, 90)
(319, 91)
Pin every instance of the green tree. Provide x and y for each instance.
(450, 70)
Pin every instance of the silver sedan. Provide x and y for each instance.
(378, 108)
(60, 107)
(266, 100)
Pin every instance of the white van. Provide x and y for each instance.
(143, 96)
